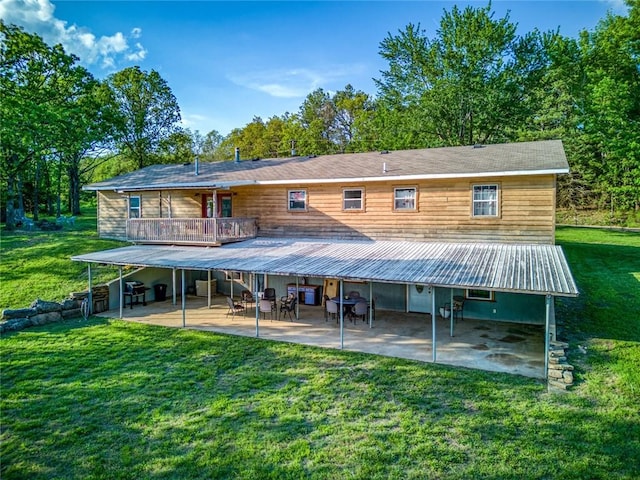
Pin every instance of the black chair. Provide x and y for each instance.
(234, 307)
(353, 294)
(288, 305)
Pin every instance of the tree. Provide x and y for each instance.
(40, 87)
(148, 113)
(467, 85)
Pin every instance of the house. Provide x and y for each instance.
(470, 226)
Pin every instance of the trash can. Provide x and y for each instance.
(160, 292)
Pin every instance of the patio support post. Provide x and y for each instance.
(433, 323)
(546, 336)
(173, 281)
(121, 289)
(184, 299)
(209, 288)
(370, 304)
(257, 300)
(231, 283)
(298, 300)
(451, 312)
(341, 315)
(90, 295)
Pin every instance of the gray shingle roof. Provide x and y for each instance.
(447, 162)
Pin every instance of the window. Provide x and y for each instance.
(228, 275)
(485, 200)
(297, 200)
(480, 295)
(352, 199)
(404, 198)
(134, 207)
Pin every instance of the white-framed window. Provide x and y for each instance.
(297, 200)
(353, 199)
(485, 200)
(404, 198)
(134, 207)
(477, 294)
(229, 275)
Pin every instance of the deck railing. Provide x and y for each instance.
(190, 231)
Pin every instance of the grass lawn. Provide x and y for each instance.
(110, 399)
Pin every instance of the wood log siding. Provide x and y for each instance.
(444, 213)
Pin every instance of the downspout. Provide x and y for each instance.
(257, 300)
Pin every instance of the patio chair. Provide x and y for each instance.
(246, 297)
(234, 307)
(288, 305)
(266, 306)
(331, 309)
(458, 307)
(270, 294)
(360, 309)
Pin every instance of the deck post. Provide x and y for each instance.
(209, 288)
(547, 321)
(121, 290)
(90, 295)
(184, 299)
(298, 299)
(341, 315)
(433, 323)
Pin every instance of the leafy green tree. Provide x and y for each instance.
(148, 113)
(41, 89)
(466, 85)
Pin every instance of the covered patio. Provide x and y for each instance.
(538, 270)
(491, 346)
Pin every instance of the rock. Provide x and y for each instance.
(8, 314)
(15, 324)
(557, 374)
(44, 318)
(554, 384)
(42, 306)
(71, 313)
(567, 377)
(557, 359)
(70, 304)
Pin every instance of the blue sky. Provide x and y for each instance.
(227, 62)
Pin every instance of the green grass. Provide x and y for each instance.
(35, 264)
(111, 399)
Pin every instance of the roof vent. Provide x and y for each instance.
(384, 152)
(478, 145)
(237, 157)
(384, 167)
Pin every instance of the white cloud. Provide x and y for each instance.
(618, 7)
(294, 83)
(37, 16)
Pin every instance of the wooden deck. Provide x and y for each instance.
(486, 345)
(190, 231)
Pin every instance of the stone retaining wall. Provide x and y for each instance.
(41, 312)
(560, 374)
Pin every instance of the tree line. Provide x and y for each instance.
(475, 81)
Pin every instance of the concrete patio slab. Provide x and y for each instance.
(486, 345)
